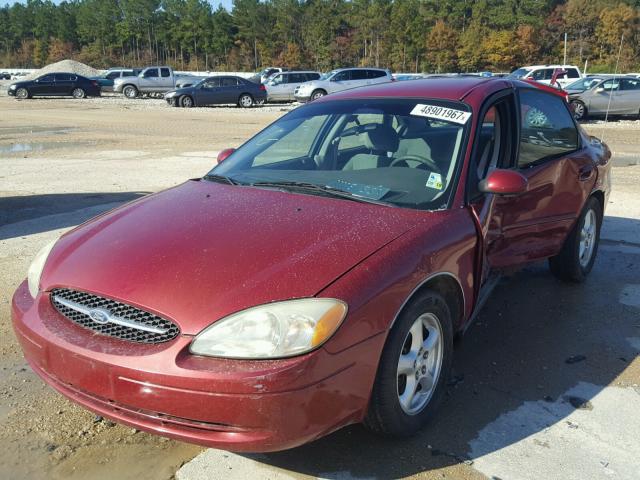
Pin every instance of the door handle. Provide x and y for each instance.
(585, 173)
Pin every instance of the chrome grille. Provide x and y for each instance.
(112, 318)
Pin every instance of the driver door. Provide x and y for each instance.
(208, 92)
(44, 86)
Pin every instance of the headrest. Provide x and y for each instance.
(383, 138)
(412, 126)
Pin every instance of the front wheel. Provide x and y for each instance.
(414, 368)
(186, 102)
(130, 91)
(22, 93)
(317, 94)
(575, 260)
(78, 93)
(579, 110)
(245, 100)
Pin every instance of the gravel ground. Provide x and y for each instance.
(63, 161)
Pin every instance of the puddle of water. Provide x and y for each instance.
(35, 130)
(19, 148)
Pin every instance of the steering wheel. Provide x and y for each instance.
(425, 161)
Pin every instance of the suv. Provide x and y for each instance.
(341, 79)
(107, 79)
(561, 75)
(281, 86)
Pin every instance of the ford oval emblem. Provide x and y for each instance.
(99, 315)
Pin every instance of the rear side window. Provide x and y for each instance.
(113, 75)
(312, 76)
(631, 84)
(375, 73)
(165, 72)
(151, 73)
(547, 130)
(542, 74)
(229, 82)
(62, 77)
(128, 73)
(297, 78)
(359, 75)
(572, 73)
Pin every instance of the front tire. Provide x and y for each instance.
(130, 91)
(579, 110)
(186, 101)
(78, 93)
(318, 94)
(578, 254)
(22, 94)
(414, 368)
(245, 100)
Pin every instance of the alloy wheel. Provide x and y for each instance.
(187, 102)
(130, 92)
(587, 238)
(78, 93)
(420, 363)
(22, 93)
(246, 101)
(578, 110)
(317, 95)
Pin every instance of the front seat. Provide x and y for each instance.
(382, 142)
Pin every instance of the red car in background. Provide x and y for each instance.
(317, 275)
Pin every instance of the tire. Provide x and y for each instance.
(578, 254)
(22, 94)
(317, 94)
(78, 93)
(130, 91)
(391, 411)
(245, 100)
(579, 110)
(186, 101)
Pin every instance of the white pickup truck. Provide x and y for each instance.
(152, 80)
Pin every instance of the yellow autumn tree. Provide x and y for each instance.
(440, 47)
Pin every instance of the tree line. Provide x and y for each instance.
(404, 35)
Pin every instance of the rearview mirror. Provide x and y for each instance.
(224, 154)
(504, 182)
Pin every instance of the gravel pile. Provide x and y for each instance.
(67, 66)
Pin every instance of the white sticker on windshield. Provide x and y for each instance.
(441, 113)
(435, 181)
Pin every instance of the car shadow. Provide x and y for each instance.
(535, 341)
(25, 215)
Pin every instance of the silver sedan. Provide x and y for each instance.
(618, 95)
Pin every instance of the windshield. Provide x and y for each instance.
(519, 73)
(582, 84)
(399, 152)
(326, 76)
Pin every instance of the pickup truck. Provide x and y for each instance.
(152, 80)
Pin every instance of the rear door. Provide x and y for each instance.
(166, 79)
(560, 176)
(230, 90)
(606, 97)
(360, 78)
(377, 76)
(630, 96)
(64, 83)
(293, 81)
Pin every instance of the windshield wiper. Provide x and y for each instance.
(220, 179)
(319, 189)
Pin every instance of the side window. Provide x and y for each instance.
(46, 78)
(62, 77)
(151, 73)
(489, 143)
(128, 73)
(211, 83)
(375, 73)
(547, 128)
(311, 76)
(572, 73)
(297, 78)
(612, 84)
(278, 79)
(229, 82)
(342, 76)
(359, 75)
(631, 84)
(113, 75)
(165, 72)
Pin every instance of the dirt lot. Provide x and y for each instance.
(537, 342)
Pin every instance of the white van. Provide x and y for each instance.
(565, 74)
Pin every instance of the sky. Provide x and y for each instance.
(225, 3)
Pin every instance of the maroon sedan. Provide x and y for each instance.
(317, 276)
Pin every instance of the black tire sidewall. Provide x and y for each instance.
(387, 416)
(584, 107)
(317, 94)
(22, 98)
(182, 101)
(78, 96)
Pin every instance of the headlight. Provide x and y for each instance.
(275, 330)
(36, 267)
(170, 94)
(12, 87)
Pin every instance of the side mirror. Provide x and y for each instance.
(224, 154)
(599, 89)
(504, 182)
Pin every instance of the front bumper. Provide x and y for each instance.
(11, 92)
(230, 404)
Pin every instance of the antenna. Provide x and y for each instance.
(615, 76)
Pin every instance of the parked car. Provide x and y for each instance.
(561, 75)
(407, 76)
(585, 83)
(281, 86)
(317, 275)
(341, 79)
(56, 84)
(617, 95)
(5, 76)
(151, 80)
(218, 90)
(265, 74)
(106, 80)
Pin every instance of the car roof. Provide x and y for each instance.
(446, 88)
(359, 68)
(554, 65)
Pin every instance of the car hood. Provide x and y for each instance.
(203, 250)
(180, 91)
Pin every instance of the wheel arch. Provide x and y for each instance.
(598, 195)
(447, 285)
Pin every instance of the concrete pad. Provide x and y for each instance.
(556, 440)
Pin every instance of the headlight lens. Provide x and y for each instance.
(275, 330)
(36, 267)
(169, 94)
(12, 87)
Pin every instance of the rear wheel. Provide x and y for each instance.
(245, 100)
(414, 368)
(22, 93)
(130, 91)
(78, 93)
(186, 101)
(579, 110)
(575, 260)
